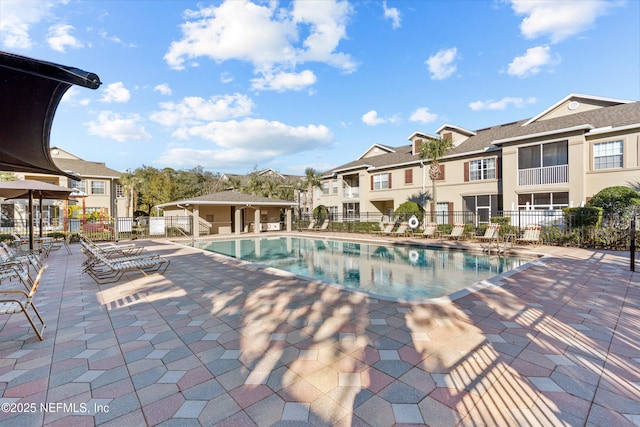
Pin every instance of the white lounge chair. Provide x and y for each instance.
(491, 233)
(401, 230)
(456, 233)
(18, 301)
(531, 235)
(430, 230)
(387, 230)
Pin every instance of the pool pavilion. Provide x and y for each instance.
(230, 212)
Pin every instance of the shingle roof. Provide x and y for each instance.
(231, 198)
(86, 169)
(614, 116)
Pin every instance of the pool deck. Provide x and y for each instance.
(214, 341)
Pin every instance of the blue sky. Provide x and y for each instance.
(234, 85)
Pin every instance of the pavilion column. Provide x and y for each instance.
(256, 221)
(196, 220)
(289, 219)
(238, 221)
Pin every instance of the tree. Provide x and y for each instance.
(433, 150)
(617, 200)
(131, 184)
(312, 180)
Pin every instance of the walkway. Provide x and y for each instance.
(214, 342)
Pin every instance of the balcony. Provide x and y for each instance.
(351, 192)
(544, 175)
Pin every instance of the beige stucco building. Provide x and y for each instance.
(98, 190)
(559, 158)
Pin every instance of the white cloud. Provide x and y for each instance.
(196, 111)
(73, 96)
(119, 127)
(559, 19)
(163, 88)
(393, 14)
(226, 77)
(60, 38)
(17, 17)
(502, 104)
(531, 62)
(249, 141)
(115, 92)
(441, 65)
(114, 39)
(423, 115)
(372, 119)
(284, 81)
(265, 35)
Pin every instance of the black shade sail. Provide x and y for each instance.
(30, 91)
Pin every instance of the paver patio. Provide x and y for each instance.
(215, 341)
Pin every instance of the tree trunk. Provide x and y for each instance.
(434, 174)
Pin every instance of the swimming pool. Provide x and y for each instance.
(407, 273)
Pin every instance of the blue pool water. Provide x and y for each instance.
(398, 272)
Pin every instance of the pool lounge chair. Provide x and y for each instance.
(312, 225)
(109, 270)
(491, 233)
(323, 227)
(531, 235)
(14, 301)
(430, 230)
(401, 230)
(456, 233)
(388, 229)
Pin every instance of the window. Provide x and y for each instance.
(334, 187)
(97, 187)
(551, 154)
(543, 200)
(482, 169)
(607, 155)
(325, 188)
(381, 181)
(79, 185)
(119, 191)
(408, 176)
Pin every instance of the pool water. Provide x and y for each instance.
(397, 272)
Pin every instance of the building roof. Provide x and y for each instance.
(230, 198)
(624, 114)
(84, 168)
(73, 164)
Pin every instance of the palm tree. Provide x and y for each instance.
(433, 150)
(312, 179)
(131, 184)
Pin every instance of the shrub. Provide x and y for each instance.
(407, 209)
(616, 200)
(57, 235)
(320, 213)
(583, 217)
(6, 238)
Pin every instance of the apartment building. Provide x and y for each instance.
(98, 191)
(559, 158)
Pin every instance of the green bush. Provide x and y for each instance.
(320, 213)
(57, 235)
(583, 217)
(6, 238)
(407, 209)
(616, 200)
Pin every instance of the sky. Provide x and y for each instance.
(232, 86)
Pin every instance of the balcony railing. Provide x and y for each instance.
(544, 175)
(352, 192)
